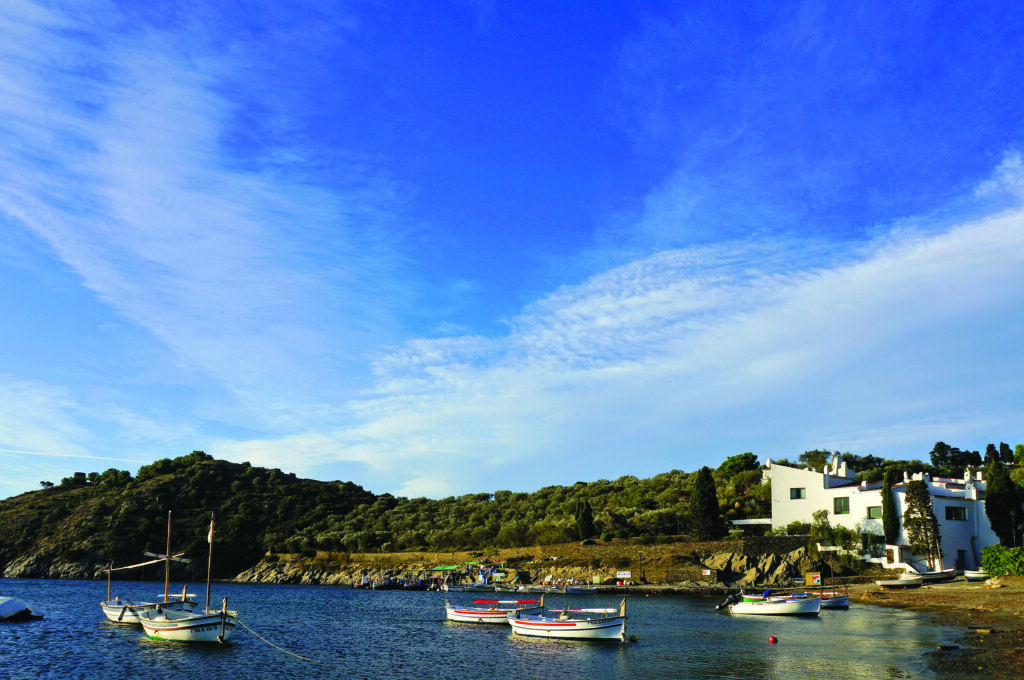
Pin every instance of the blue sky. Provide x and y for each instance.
(439, 248)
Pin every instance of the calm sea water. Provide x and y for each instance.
(391, 635)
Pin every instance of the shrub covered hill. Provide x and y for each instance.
(77, 528)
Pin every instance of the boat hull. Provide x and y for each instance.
(976, 576)
(900, 583)
(938, 576)
(836, 602)
(188, 627)
(807, 606)
(610, 628)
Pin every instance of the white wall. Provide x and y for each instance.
(821, 489)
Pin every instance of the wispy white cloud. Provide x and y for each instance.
(696, 354)
(135, 189)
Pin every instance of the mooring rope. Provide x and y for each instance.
(298, 656)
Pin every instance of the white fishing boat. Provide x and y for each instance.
(161, 624)
(125, 611)
(573, 624)
(120, 610)
(976, 575)
(835, 600)
(491, 611)
(781, 606)
(181, 626)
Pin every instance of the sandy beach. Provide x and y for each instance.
(992, 619)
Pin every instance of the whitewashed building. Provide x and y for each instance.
(959, 506)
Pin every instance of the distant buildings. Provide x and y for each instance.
(959, 506)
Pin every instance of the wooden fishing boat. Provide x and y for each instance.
(495, 611)
(161, 624)
(976, 575)
(126, 611)
(940, 576)
(181, 626)
(573, 624)
(781, 606)
(833, 599)
(904, 582)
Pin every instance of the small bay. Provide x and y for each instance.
(394, 634)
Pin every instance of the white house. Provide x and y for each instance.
(959, 506)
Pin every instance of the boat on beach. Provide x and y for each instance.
(904, 582)
(495, 611)
(976, 575)
(573, 624)
(938, 576)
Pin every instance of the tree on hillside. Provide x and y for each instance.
(921, 526)
(1002, 505)
(705, 521)
(741, 462)
(890, 518)
(584, 519)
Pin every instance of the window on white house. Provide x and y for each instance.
(957, 512)
(874, 512)
(841, 506)
(796, 493)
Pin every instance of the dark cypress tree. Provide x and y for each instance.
(585, 519)
(1002, 505)
(920, 523)
(704, 518)
(890, 518)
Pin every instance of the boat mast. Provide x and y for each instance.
(209, 564)
(167, 561)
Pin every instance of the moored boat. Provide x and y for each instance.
(125, 611)
(573, 624)
(14, 609)
(580, 590)
(782, 606)
(835, 600)
(495, 611)
(163, 624)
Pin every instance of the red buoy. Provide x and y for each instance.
(772, 639)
